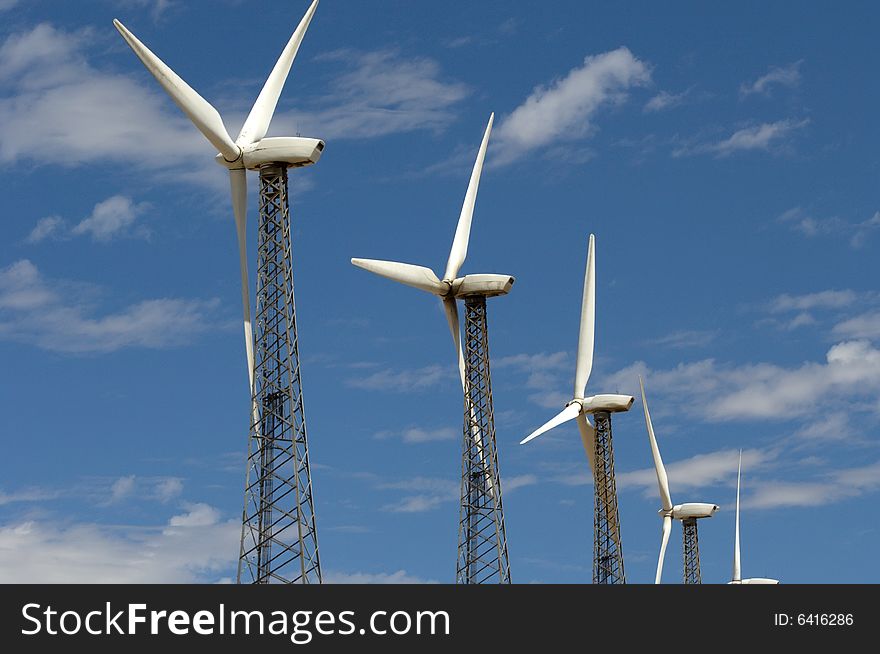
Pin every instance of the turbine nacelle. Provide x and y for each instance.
(293, 151)
(690, 511)
(610, 403)
(488, 285)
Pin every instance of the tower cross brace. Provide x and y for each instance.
(279, 542)
(691, 552)
(482, 539)
(607, 550)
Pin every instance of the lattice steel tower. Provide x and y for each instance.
(607, 551)
(687, 513)
(278, 538)
(482, 539)
(482, 552)
(691, 551)
(278, 542)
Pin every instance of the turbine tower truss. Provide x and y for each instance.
(482, 539)
(691, 551)
(279, 543)
(607, 551)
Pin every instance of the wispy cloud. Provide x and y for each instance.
(544, 372)
(57, 101)
(193, 546)
(564, 110)
(112, 218)
(831, 487)
(830, 299)
(857, 232)
(421, 435)
(866, 325)
(766, 137)
(403, 381)
(398, 577)
(377, 93)
(34, 310)
(778, 76)
(695, 473)
(665, 100)
(424, 494)
(849, 375)
(686, 338)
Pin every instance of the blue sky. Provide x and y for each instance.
(725, 158)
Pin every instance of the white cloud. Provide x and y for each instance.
(48, 227)
(121, 489)
(28, 495)
(192, 547)
(784, 76)
(197, 515)
(666, 100)
(866, 325)
(399, 577)
(421, 435)
(111, 218)
(830, 299)
(429, 494)
(686, 338)
(402, 381)
(764, 137)
(833, 487)
(544, 375)
(378, 93)
(858, 233)
(695, 473)
(564, 110)
(511, 483)
(849, 375)
(48, 315)
(167, 489)
(57, 103)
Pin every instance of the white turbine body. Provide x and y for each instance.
(737, 572)
(580, 406)
(669, 511)
(451, 286)
(249, 151)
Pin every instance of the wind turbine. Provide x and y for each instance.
(688, 513)
(597, 441)
(278, 541)
(482, 545)
(737, 573)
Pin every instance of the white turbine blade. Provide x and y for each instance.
(737, 573)
(238, 185)
(202, 114)
(257, 123)
(588, 438)
(568, 413)
(463, 231)
(667, 527)
(450, 306)
(662, 479)
(588, 324)
(405, 273)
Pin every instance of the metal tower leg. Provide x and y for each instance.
(482, 541)
(691, 552)
(607, 551)
(279, 543)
